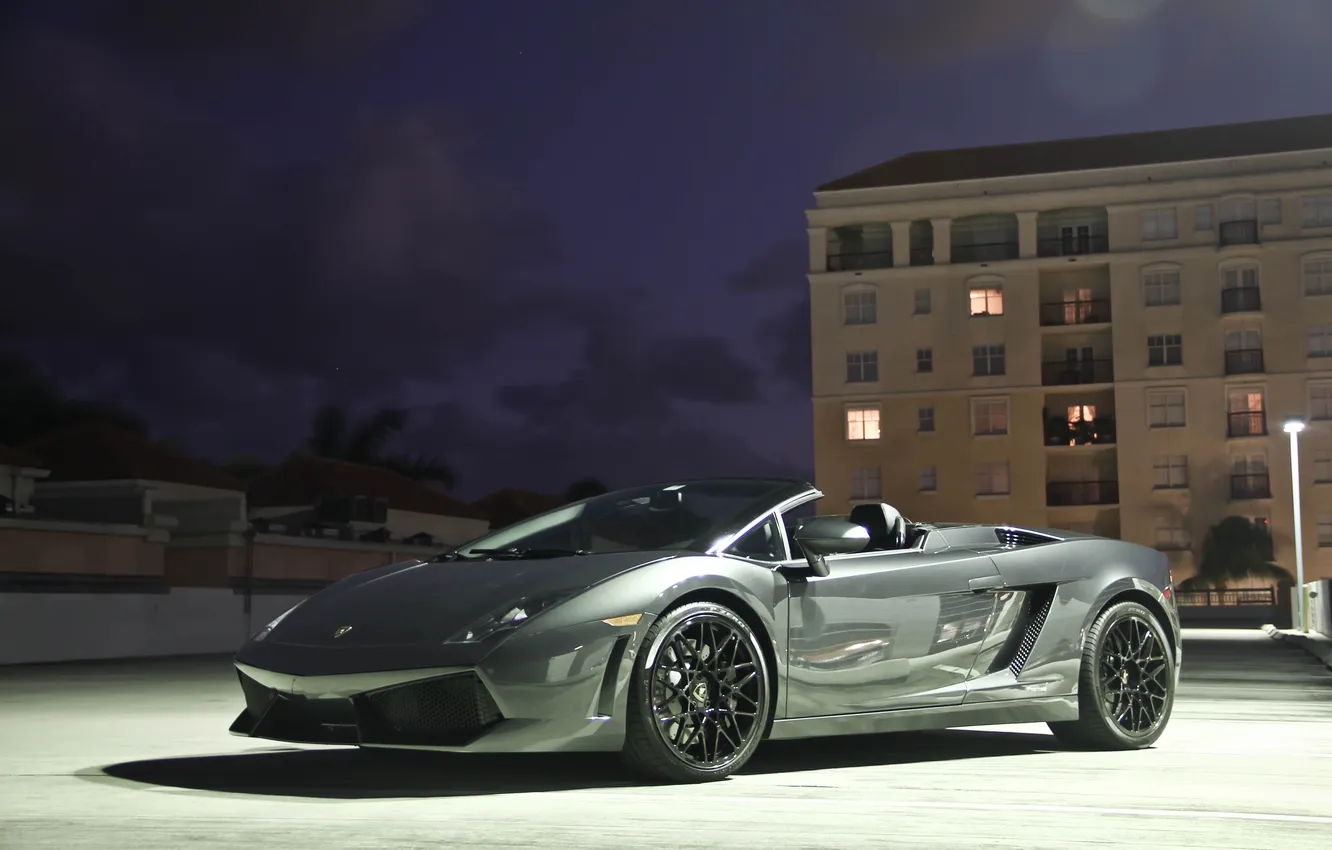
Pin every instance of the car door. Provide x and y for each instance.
(888, 630)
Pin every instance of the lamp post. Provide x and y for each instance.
(1293, 427)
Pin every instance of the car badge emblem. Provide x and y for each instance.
(342, 630)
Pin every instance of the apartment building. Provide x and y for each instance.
(1101, 334)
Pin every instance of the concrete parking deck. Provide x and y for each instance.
(136, 756)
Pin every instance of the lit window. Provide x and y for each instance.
(1165, 409)
(925, 419)
(924, 360)
(987, 360)
(1170, 472)
(1318, 277)
(862, 367)
(1161, 288)
(987, 301)
(862, 423)
(865, 483)
(1165, 350)
(990, 416)
(1316, 211)
(929, 479)
(860, 308)
(992, 479)
(1159, 224)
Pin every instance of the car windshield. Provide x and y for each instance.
(689, 516)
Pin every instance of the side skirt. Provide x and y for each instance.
(1038, 710)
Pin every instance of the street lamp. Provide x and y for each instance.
(1293, 427)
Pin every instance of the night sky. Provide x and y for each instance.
(567, 234)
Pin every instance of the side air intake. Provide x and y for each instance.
(1039, 611)
(1018, 537)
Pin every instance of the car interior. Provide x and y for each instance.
(889, 531)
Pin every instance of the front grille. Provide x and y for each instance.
(447, 711)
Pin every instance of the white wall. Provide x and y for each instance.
(36, 627)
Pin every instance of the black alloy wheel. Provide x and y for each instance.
(699, 699)
(1126, 686)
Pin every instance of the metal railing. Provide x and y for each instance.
(1070, 246)
(1243, 361)
(1238, 233)
(1250, 485)
(1098, 432)
(1072, 493)
(1263, 596)
(922, 255)
(1243, 299)
(860, 261)
(988, 252)
(1090, 311)
(1060, 373)
(1247, 423)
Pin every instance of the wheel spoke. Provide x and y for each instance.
(1134, 676)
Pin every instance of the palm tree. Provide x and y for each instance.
(1235, 549)
(31, 405)
(332, 435)
(585, 488)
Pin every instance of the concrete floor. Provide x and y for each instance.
(136, 756)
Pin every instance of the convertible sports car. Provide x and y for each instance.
(681, 624)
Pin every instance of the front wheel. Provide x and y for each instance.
(698, 699)
(1126, 685)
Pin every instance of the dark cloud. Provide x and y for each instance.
(780, 269)
(780, 275)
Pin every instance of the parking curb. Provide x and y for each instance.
(1312, 647)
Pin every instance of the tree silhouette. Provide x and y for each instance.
(334, 435)
(585, 488)
(31, 405)
(1235, 549)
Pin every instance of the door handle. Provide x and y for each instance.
(984, 583)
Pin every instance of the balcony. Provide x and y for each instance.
(1243, 299)
(1247, 423)
(1249, 485)
(1066, 373)
(987, 252)
(860, 261)
(1098, 432)
(922, 256)
(1073, 245)
(1244, 361)
(1082, 312)
(1061, 494)
(1238, 233)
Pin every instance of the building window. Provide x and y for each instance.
(1202, 217)
(865, 483)
(1269, 211)
(987, 301)
(1161, 288)
(1240, 277)
(1316, 211)
(989, 416)
(862, 367)
(925, 419)
(1320, 401)
(987, 360)
(1159, 224)
(1325, 530)
(1320, 341)
(1170, 472)
(923, 304)
(1318, 277)
(1165, 350)
(1165, 409)
(1323, 467)
(860, 308)
(929, 479)
(924, 359)
(862, 423)
(992, 479)
(1171, 535)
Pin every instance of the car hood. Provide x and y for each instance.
(420, 603)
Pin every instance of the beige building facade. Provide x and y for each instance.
(1096, 334)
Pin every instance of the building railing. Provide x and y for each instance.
(1098, 432)
(1090, 311)
(1250, 485)
(1073, 493)
(1074, 245)
(860, 261)
(988, 252)
(1243, 361)
(1261, 596)
(1247, 423)
(1243, 299)
(1062, 373)
(1238, 233)
(922, 255)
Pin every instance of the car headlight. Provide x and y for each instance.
(511, 616)
(266, 630)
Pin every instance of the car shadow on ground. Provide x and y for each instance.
(362, 774)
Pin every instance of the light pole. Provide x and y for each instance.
(1293, 427)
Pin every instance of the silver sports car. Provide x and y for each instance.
(682, 624)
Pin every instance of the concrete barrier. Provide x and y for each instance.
(44, 627)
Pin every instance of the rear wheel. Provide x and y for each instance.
(1126, 685)
(698, 700)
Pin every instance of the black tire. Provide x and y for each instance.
(699, 718)
(1126, 684)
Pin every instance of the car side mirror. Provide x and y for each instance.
(827, 535)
